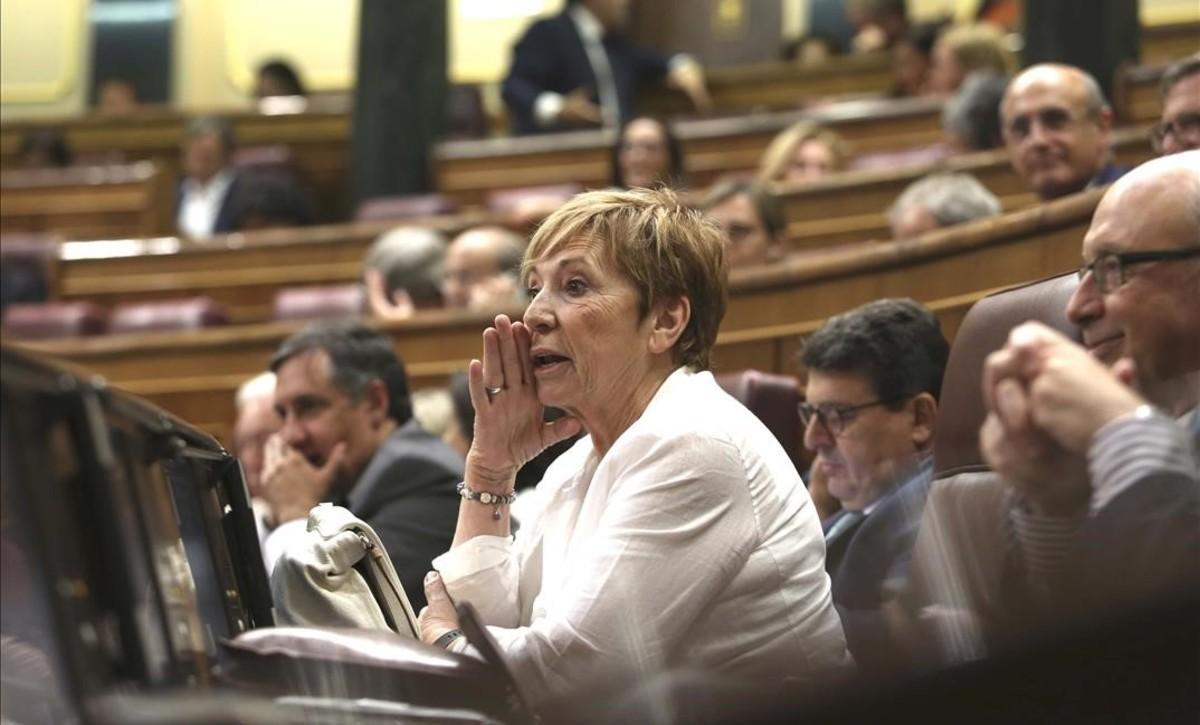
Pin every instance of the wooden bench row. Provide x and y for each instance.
(467, 170)
(245, 271)
(194, 374)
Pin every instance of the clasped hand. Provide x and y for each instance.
(292, 485)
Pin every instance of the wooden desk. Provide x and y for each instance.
(852, 206)
(194, 374)
(87, 202)
(467, 170)
(317, 140)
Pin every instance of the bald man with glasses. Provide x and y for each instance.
(1056, 126)
(870, 411)
(1094, 503)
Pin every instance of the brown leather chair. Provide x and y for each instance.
(40, 321)
(189, 314)
(774, 399)
(319, 303)
(984, 330)
(465, 115)
(404, 207)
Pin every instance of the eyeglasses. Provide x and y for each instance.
(835, 418)
(1111, 269)
(1050, 119)
(1187, 126)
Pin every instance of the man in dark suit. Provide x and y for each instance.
(204, 199)
(870, 410)
(577, 70)
(349, 437)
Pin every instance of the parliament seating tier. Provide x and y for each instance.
(246, 271)
(195, 375)
(88, 202)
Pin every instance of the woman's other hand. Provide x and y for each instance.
(509, 428)
(438, 616)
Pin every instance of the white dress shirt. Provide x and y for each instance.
(200, 204)
(691, 542)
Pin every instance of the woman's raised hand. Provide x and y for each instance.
(509, 428)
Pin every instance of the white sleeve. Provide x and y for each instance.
(677, 526)
(485, 571)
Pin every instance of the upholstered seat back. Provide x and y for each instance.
(163, 315)
(774, 399)
(40, 321)
(405, 207)
(318, 303)
(984, 330)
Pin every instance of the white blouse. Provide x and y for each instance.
(693, 542)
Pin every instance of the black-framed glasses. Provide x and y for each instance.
(835, 418)
(1111, 269)
(1182, 129)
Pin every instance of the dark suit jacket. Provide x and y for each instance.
(225, 221)
(407, 494)
(551, 57)
(877, 550)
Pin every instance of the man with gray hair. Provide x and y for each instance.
(403, 271)
(971, 118)
(940, 200)
(481, 269)
(1056, 126)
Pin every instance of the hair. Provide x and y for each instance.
(895, 343)
(285, 73)
(675, 173)
(979, 47)
(511, 250)
(783, 148)
(357, 355)
(1177, 72)
(923, 36)
(259, 386)
(1094, 102)
(410, 258)
(212, 126)
(273, 200)
(46, 141)
(951, 198)
(664, 248)
(972, 115)
(770, 210)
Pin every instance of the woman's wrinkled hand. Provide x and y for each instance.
(438, 616)
(509, 425)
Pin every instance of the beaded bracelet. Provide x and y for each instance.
(487, 498)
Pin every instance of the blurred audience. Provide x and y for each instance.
(206, 191)
(577, 69)
(1179, 129)
(278, 77)
(752, 219)
(971, 117)
(256, 422)
(911, 58)
(879, 24)
(647, 154)
(1056, 126)
(116, 97)
(403, 272)
(482, 269)
(870, 414)
(938, 201)
(44, 148)
(966, 49)
(270, 201)
(802, 152)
